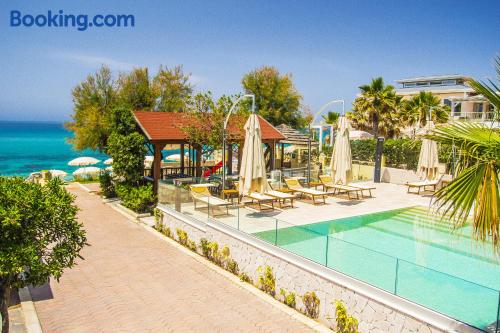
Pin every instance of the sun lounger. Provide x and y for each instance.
(278, 195)
(339, 188)
(262, 199)
(424, 184)
(202, 194)
(294, 185)
(363, 188)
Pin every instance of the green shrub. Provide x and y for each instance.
(127, 151)
(402, 153)
(245, 278)
(267, 281)
(158, 214)
(140, 199)
(288, 298)
(232, 266)
(363, 150)
(205, 249)
(345, 323)
(106, 184)
(183, 237)
(311, 304)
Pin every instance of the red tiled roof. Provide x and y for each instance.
(166, 126)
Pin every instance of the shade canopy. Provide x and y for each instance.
(360, 135)
(253, 166)
(428, 161)
(341, 163)
(175, 157)
(86, 171)
(58, 173)
(82, 161)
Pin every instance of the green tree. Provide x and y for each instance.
(416, 110)
(173, 89)
(39, 235)
(476, 186)
(135, 90)
(276, 98)
(128, 152)
(93, 100)
(205, 119)
(376, 109)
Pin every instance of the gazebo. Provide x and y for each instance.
(164, 128)
(293, 137)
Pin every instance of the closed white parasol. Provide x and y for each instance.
(253, 166)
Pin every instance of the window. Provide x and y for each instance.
(446, 101)
(478, 107)
(436, 83)
(449, 82)
(410, 84)
(420, 84)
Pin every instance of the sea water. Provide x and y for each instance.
(27, 147)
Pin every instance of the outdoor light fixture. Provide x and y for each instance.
(310, 133)
(224, 131)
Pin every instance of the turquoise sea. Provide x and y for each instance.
(27, 147)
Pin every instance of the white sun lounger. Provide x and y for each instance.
(262, 200)
(202, 194)
(294, 185)
(327, 182)
(281, 196)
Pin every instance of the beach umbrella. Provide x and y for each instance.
(359, 135)
(108, 161)
(428, 161)
(341, 164)
(175, 157)
(86, 171)
(58, 173)
(253, 166)
(82, 161)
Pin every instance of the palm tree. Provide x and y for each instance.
(416, 110)
(331, 118)
(476, 187)
(376, 107)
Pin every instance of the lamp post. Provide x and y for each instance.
(224, 131)
(321, 109)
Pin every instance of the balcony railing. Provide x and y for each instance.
(473, 116)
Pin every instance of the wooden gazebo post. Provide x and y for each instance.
(156, 167)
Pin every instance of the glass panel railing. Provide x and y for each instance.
(464, 300)
(375, 268)
(303, 241)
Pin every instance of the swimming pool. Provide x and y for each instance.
(408, 252)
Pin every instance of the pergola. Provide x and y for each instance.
(163, 128)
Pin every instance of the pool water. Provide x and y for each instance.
(409, 252)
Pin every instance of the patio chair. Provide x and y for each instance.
(424, 184)
(262, 200)
(294, 185)
(202, 194)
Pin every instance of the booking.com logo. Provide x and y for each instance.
(82, 21)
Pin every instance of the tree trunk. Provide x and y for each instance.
(375, 127)
(4, 305)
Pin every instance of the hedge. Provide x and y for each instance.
(399, 153)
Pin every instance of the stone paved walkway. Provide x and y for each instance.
(131, 281)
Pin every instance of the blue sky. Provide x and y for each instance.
(330, 47)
